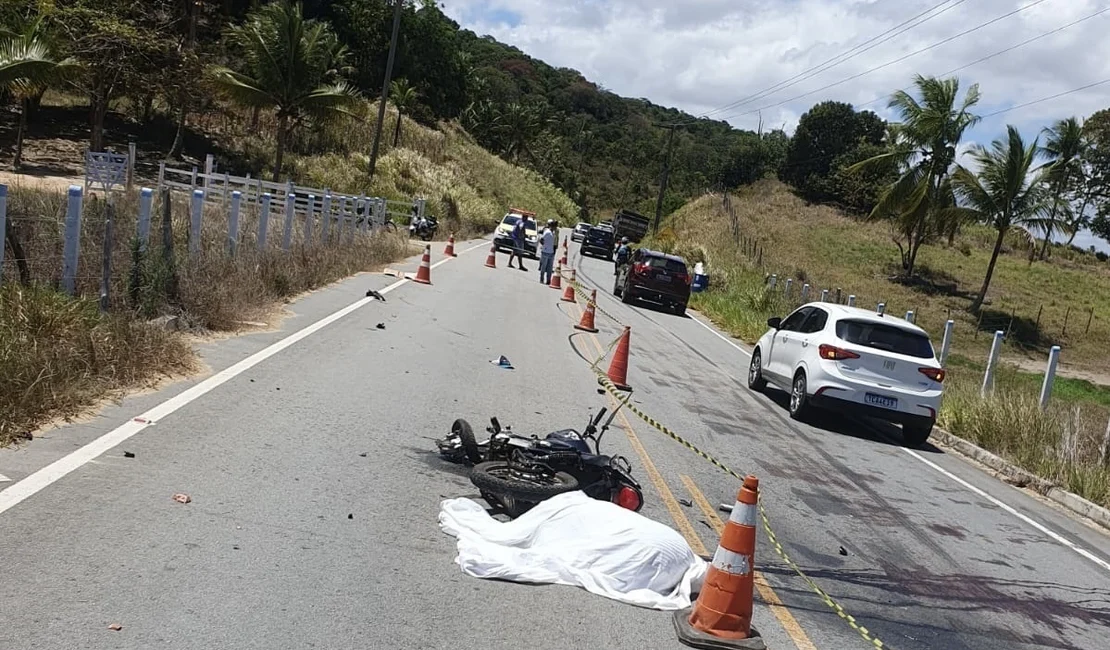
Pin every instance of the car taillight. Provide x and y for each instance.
(684, 277)
(628, 498)
(936, 374)
(833, 353)
(640, 268)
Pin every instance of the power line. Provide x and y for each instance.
(888, 63)
(1048, 98)
(849, 54)
(1005, 50)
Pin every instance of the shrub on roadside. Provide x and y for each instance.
(59, 355)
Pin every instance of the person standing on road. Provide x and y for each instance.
(547, 252)
(624, 252)
(519, 236)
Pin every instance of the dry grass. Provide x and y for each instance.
(59, 355)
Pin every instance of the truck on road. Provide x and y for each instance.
(627, 223)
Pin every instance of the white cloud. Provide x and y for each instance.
(699, 55)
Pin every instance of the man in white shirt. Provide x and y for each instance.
(547, 252)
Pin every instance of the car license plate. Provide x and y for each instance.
(879, 400)
(663, 277)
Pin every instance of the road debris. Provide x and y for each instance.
(181, 497)
(128, 454)
(351, 515)
(843, 551)
(724, 507)
(115, 627)
(381, 326)
(686, 502)
(374, 294)
(502, 362)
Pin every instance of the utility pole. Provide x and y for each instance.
(398, 5)
(666, 174)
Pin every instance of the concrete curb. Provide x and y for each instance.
(1022, 478)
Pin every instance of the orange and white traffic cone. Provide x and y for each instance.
(618, 367)
(491, 260)
(568, 295)
(556, 281)
(449, 251)
(424, 273)
(586, 324)
(721, 618)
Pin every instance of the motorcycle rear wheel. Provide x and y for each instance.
(496, 477)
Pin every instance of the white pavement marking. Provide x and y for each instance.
(35, 483)
(1013, 511)
(3, 478)
(720, 336)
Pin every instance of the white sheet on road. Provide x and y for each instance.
(572, 539)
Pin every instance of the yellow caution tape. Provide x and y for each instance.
(603, 379)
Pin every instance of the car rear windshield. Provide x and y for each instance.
(671, 266)
(885, 337)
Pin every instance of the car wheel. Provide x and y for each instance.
(799, 401)
(626, 296)
(915, 434)
(679, 309)
(755, 372)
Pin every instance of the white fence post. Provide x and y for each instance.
(824, 295)
(909, 316)
(852, 300)
(947, 344)
(880, 309)
(233, 222)
(263, 220)
(786, 291)
(290, 210)
(195, 221)
(805, 292)
(130, 164)
(146, 201)
(72, 245)
(1049, 376)
(992, 361)
(3, 226)
(325, 217)
(309, 219)
(774, 280)
(209, 167)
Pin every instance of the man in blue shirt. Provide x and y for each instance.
(520, 235)
(547, 252)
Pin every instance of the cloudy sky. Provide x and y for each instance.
(739, 59)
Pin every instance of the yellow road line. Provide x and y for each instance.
(656, 478)
(789, 623)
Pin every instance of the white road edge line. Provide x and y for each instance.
(719, 335)
(1013, 511)
(20, 491)
(4, 479)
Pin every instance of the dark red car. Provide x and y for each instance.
(657, 277)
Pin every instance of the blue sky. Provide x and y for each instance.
(703, 55)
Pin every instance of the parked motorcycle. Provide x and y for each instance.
(516, 472)
(424, 228)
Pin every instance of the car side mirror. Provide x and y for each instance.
(774, 323)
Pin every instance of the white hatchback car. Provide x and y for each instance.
(854, 360)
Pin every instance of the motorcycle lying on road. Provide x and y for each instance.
(516, 472)
(424, 228)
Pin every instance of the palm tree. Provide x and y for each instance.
(290, 66)
(923, 146)
(1064, 145)
(1004, 193)
(404, 98)
(27, 66)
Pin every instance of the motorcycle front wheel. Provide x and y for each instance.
(461, 428)
(496, 477)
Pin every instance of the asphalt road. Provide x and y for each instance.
(315, 491)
